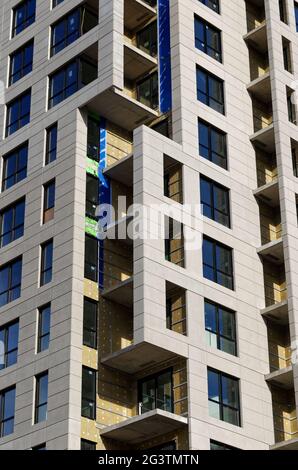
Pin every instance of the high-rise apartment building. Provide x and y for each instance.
(149, 343)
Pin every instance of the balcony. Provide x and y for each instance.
(159, 407)
(266, 168)
(275, 283)
(277, 313)
(173, 179)
(258, 61)
(138, 12)
(255, 14)
(279, 343)
(148, 426)
(260, 90)
(271, 233)
(137, 63)
(264, 137)
(285, 419)
(268, 194)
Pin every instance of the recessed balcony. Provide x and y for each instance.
(260, 89)
(257, 36)
(266, 167)
(263, 136)
(282, 378)
(148, 426)
(120, 293)
(123, 108)
(277, 312)
(137, 357)
(268, 194)
(279, 344)
(285, 418)
(275, 282)
(136, 62)
(138, 12)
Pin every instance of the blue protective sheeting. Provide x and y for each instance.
(164, 45)
(104, 192)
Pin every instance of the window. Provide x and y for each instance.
(57, 2)
(92, 196)
(296, 14)
(174, 242)
(286, 48)
(213, 144)
(44, 324)
(46, 263)
(90, 324)
(51, 143)
(69, 79)
(212, 4)
(156, 392)
(23, 16)
(214, 445)
(7, 410)
(41, 397)
(223, 394)
(147, 39)
(71, 27)
(220, 326)
(283, 11)
(18, 113)
(15, 166)
(91, 258)
(89, 393)
(12, 223)
(208, 39)
(93, 139)
(295, 159)
(48, 201)
(87, 445)
(10, 281)
(9, 338)
(147, 91)
(210, 90)
(291, 106)
(215, 200)
(218, 263)
(21, 62)
(163, 447)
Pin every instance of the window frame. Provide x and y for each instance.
(208, 4)
(88, 264)
(18, 101)
(92, 402)
(212, 206)
(155, 377)
(11, 288)
(37, 403)
(210, 128)
(49, 149)
(220, 401)
(14, 153)
(217, 332)
(92, 332)
(48, 206)
(216, 244)
(209, 98)
(22, 71)
(3, 420)
(28, 21)
(43, 270)
(77, 83)
(5, 328)
(14, 228)
(40, 334)
(216, 54)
